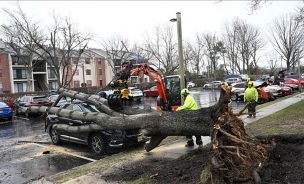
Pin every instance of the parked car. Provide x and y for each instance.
(135, 94)
(232, 80)
(191, 85)
(100, 141)
(5, 112)
(237, 91)
(293, 80)
(292, 86)
(151, 92)
(105, 94)
(28, 101)
(213, 84)
(62, 101)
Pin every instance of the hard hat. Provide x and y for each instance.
(185, 91)
(250, 83)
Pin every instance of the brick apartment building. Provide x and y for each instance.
(93, 69)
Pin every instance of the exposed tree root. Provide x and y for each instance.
(236, 156)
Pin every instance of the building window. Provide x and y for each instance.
(0, 72)
(77, 72)
(100, 71)
(87, 61)
(88, 72)
(53, 85)
(100, 82)
(51, 73)
(19, 87)
(76, 84)
(133, 79)
(89, 83)
(19, 74)
(1, 88)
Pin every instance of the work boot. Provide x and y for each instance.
(189, 144)
(199, 142)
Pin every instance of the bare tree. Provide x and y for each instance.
(117, 49)
(163, 47)
(188, 58)
(213, 50)
(230, 38)
(249, 42)
(242, 42)
(288, 38)
(58, 46)
(16, 36)
(198, 53)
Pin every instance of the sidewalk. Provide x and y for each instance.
(168, 151)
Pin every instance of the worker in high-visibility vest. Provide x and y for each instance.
(190, 104)
(251, 95)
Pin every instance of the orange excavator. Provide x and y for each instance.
(169, 98)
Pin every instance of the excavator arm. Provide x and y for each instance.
(147, 70)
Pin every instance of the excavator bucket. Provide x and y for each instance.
(114, 101)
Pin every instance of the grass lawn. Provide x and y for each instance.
(287, 121)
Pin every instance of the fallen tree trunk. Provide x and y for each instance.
(235, 156)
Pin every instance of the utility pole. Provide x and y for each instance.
(180, 51)
(83, 76)
(299, 70)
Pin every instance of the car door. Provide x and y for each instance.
(21, 103)
(78, 137)
(66, 121)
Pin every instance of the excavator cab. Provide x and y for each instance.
(172, 88)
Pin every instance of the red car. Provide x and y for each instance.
(291, 81)
(28, 101)
(296, 77)
(151, 92)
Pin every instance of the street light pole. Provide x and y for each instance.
(299, 68)
(180, 51)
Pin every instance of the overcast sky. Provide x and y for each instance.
(133, 19)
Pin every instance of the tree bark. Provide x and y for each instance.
(234, 155)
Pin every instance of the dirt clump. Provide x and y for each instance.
(286, 160)
(284, 165)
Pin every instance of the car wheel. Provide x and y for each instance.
(97, 144)
(27, 114)
(54, 136)
(234, 97)
(138, 100)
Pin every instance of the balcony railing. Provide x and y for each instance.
(39, 69)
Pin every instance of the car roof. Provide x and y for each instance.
(3, 104)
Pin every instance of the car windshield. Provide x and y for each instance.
(40, 99)
(89, 108)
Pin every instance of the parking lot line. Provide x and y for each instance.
(67, 153)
